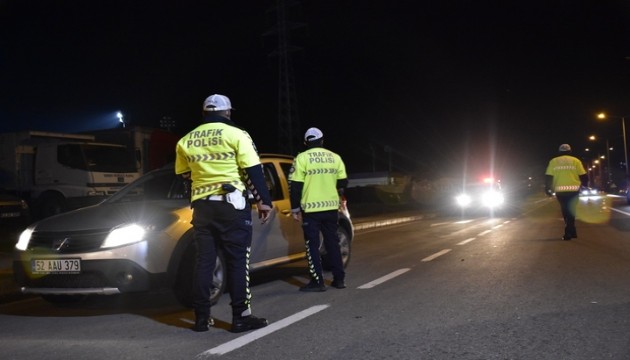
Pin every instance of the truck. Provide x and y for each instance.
(153, 147)
(55, 172)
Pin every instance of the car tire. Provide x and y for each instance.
(345, 246)
(183, 287)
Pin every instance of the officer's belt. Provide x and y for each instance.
(213, 198)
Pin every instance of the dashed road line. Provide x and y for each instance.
(382, 279)
(255, 335)
(466, 241)
(620, 211)
(437, 254)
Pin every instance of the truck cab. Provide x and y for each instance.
(73, 175)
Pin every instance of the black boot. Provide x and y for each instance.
(203, 324)
(313, 286)
(246, 323)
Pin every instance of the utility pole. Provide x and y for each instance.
(288, 119)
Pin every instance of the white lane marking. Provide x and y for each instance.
(620, 211)
(463, 221)
(382, 279)
(497, 226)
(385, 222)
(437, 254)
(255, 335)
(466, 241)
(484, 232)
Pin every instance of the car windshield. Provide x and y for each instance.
(158, 185)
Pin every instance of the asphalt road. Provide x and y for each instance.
(434, 288)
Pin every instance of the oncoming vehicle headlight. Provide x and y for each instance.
(492, 199)
(25, 237)
(463, 200)
(124, 235)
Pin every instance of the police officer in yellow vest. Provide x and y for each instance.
(317, 179)
(222, 161)
(565, 176)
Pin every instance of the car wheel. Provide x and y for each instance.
(183, 288)
(64, 299)
(344, 244)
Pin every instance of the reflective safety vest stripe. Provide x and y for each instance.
(215, 153)
(562, 188)
(319, 169)
(566, 171)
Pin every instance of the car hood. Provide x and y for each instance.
(157, 214)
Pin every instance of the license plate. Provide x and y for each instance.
(9, 214)
(56, 266)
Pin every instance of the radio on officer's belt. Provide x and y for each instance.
(234, 196)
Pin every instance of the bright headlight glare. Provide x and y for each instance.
(25, 237)
(463, 200)
(124, 235)
(492, 199)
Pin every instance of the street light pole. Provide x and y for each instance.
(625, 146)
(608, 171)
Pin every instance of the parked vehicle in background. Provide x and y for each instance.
(14, 217)
(141, 239)
(153, 148)
(56, 172)
(13, 209)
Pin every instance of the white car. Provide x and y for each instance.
(141, 239)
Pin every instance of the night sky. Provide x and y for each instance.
(445, 85)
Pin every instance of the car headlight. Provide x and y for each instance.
(463, 200)
(124, 235)
(492, 199)
(25, 237)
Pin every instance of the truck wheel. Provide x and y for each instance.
(344, 244)
(50, 204)
(183, 288)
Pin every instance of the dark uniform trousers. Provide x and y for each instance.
(326, 222)
(568, 205)
(218, 224)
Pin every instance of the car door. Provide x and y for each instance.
(281, 236)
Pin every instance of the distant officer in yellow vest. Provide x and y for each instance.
(565, 176)
(222, 161)
(317, 179)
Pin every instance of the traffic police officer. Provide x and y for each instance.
(565, 175)
(222, 161)
(317, 179)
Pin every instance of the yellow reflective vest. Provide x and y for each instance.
(319, 169)
(215, 153)
(566, 171)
